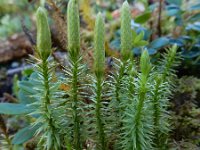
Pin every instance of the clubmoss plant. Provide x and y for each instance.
(125, 109)
(99, 69)
(48, 130)
(121, 67)
(73, 73)
(160, 96)
(137, 124)
(126, 43)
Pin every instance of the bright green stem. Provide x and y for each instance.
(99, 66)
(73, 33)
(131, 86)
(156, 108)
(141, 98)
(145, 70)
(119, 81)
(100, 127)
(47, 102)
(76, 140)
(46, 82)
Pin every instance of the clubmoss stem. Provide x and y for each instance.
(99, 67)
(73, 33)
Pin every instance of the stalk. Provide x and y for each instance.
(76, 140)
(126, 45)
(73, 32)
(50, 138)
(99, 67)
(99, 116)
(136, 130)
(156, 108)
(145, 70)
(160, 97)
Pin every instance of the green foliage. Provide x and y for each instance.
(123, 109)
(13, 109)
(11, 14)
(137, 121)
(25, 134)
(99, 72)
(75, 71)
(143, 18)
(138, 39)
(45, 88)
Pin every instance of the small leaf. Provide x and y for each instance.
(195, 17)
(139, 37)
(195, 7)
(173, 12)
(158, 43)
(176, 2)
(191, 54)
(152, 51)
(24, 134)
(143, 18)
(27, 86)
(25, 98)
(195, 26)
(13, 109)
(141, 43)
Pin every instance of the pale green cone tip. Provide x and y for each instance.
(73, 28)
(99, 46)
(43, 34)
(145, 63)
(126, 31)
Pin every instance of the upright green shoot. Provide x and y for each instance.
(99, 68)
(126, 32)
(73, 33)
(50, 138)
